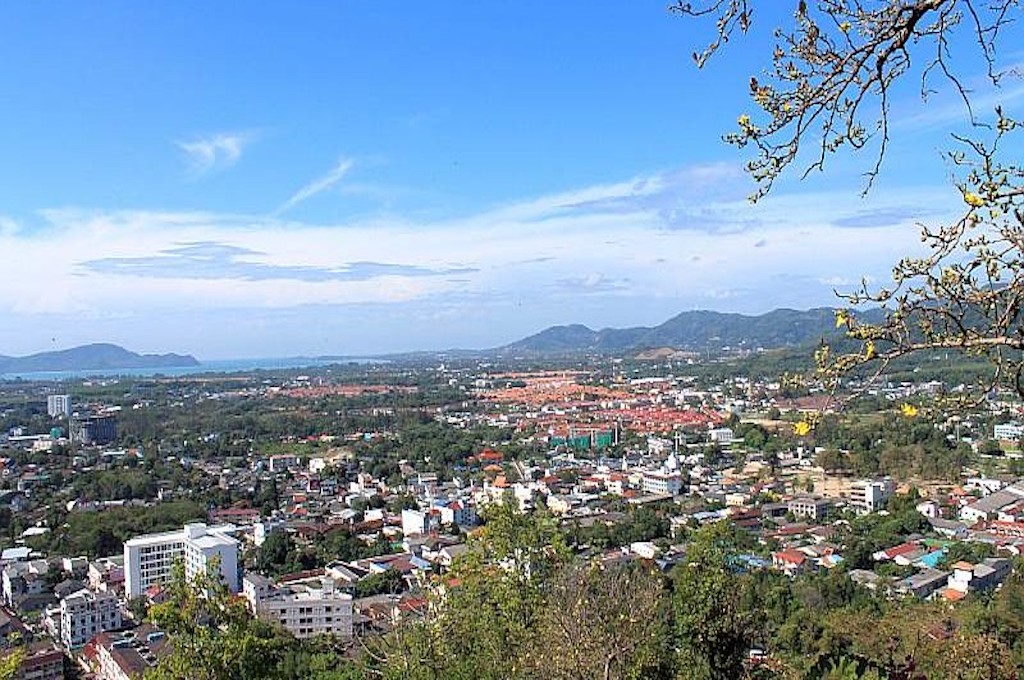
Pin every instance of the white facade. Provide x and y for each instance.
(305, 609)
(871, 496)
(662, 483)
(416, 522)
(1008, 432)
(721, 435)
(148, 559)
(84, 614)
(58, 405)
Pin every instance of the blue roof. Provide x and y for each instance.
(932, 559)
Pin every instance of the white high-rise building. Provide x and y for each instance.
(148, 559)
(58, 405)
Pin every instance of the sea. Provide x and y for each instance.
(222, 366)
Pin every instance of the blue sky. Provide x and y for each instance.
(274, 179)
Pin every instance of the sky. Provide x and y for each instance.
(278, 179)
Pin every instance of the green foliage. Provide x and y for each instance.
(712, 631)
(97, 534)
(387, 581)
(212, 635)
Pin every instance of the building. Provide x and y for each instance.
(96, 430)
(1008, 432)
(84, 614)
(418, 522)
(43, 661)
(989, 507)
(306, 608)
(723, 436)
(128, 656)
(808, 506)
(148, 560)
(662, 483)
(871, 495)
(58, 406)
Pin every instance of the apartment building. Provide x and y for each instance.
(306, 608)
(84, 614)
(808, 506)
(58, 405)
(148, 560)
(670, 483)
(871, 495)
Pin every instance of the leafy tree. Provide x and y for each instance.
(602, 623)
(10, 663)
(832, 71)
(712, 631)
(213, 636)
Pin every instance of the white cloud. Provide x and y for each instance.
(618, 253)
(214, 152)
(317, 186)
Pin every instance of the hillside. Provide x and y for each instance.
(695, 330)
(88, 357)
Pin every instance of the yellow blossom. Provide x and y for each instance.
(744, 120)
(869, 350)
(845, 26)
(801, 429)
(909, 410)
(842, 318)
(973, 200)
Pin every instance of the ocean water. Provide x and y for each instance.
(218, 366)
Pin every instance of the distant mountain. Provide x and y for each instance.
(89, 357)
(697, 330)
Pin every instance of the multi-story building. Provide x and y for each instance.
(97, 430)
(84, 613)
(1008, 432)
(722, 436)
(58, 405)
(305, 608)
(129, 656)
(871, 495)
(42, 661)
(808, 506)
(670, 483)
(148, 560)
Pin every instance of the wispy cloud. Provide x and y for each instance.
(222, 261)
(214, 152)
(317, 186)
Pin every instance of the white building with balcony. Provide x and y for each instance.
(306, 608)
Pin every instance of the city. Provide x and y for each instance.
(333, 501)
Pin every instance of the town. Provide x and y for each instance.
(331, 501)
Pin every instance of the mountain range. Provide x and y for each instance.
(92, 357)
(695, 330)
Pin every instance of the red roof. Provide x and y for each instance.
(790, 556)
(901, 549)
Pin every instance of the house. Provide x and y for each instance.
(988, 507)
(896, 551)
(790, 561)
(924, 583)
(948, 527)
(985, 575)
